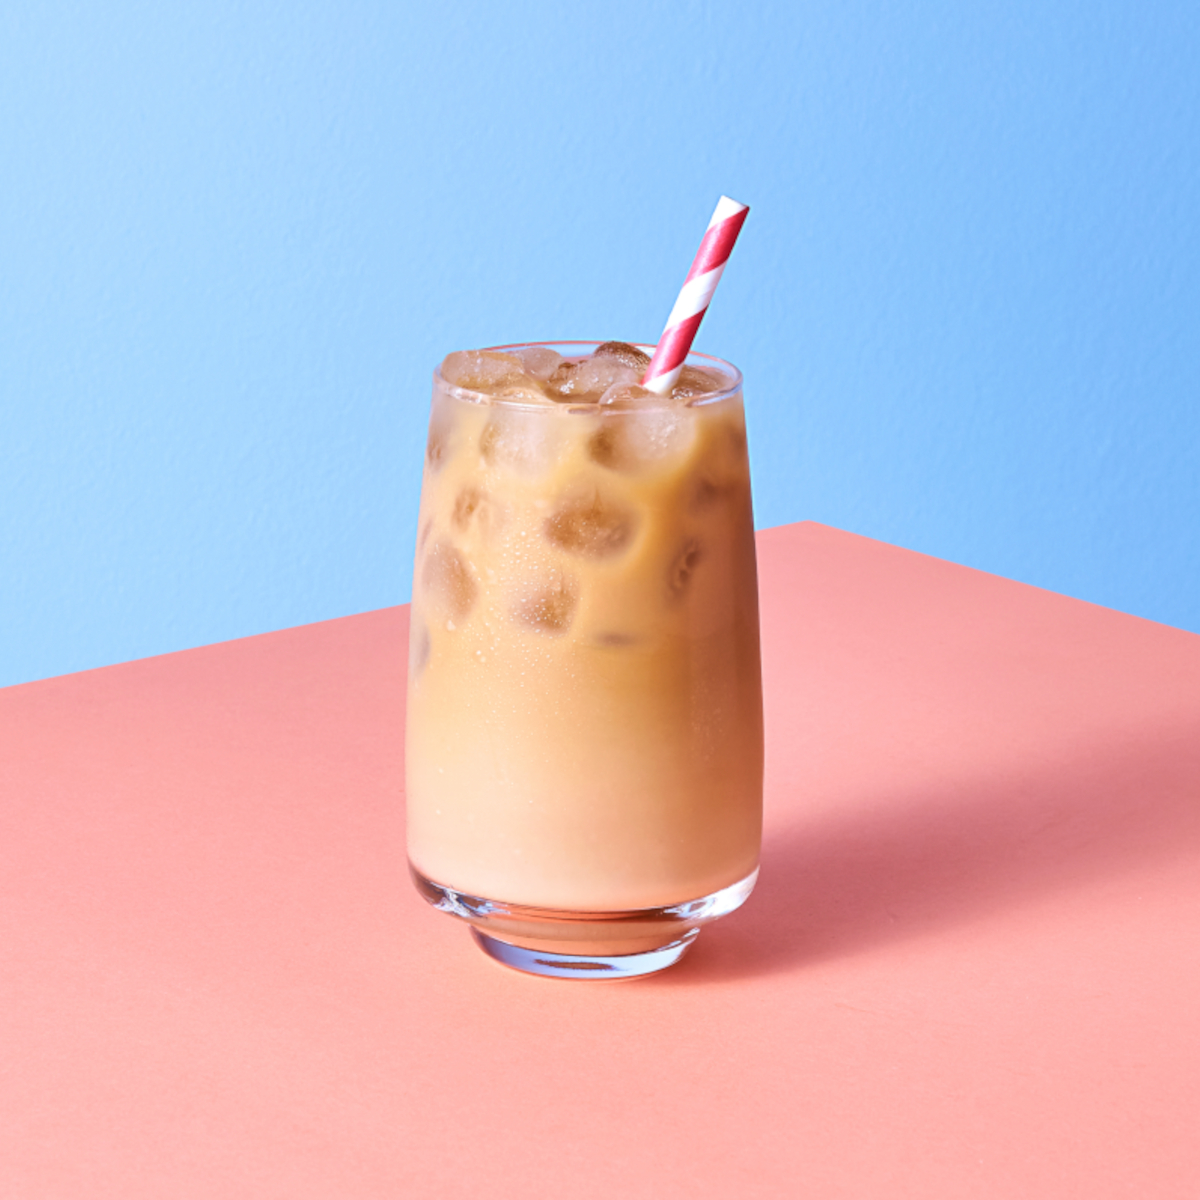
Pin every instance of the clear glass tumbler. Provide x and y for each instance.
(584, 727)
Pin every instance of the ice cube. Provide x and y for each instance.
(604, 446)
(521, 441)
(629, 356)
(634, 440)
(526, 392)
(539, 361)
(448, 580)
(705, 493)
(629, 395)
(722, 467)
(683, 567)
(549, 605)
(439, 445)
(475, 509)
(465, 504)
(730, 449)
(585, 381)
(560, 385)
(699, 381)
(482, 370)
(599, 374)
(571, 385)
(590, 524)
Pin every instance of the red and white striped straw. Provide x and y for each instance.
(672, 350)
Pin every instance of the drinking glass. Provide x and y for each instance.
(584, 726)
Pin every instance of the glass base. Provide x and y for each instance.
(584, 945)
(584, 966)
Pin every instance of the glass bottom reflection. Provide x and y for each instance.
(584, 945)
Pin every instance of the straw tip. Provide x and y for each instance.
(727, 207)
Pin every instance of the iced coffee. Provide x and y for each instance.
(584, 730)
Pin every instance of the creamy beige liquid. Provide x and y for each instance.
(584, 705)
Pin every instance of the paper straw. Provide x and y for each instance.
(672, 350)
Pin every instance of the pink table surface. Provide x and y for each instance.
(972, 967)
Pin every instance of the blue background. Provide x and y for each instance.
(235, 238)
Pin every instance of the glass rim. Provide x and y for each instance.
(474, 397)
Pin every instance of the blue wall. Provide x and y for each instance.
(235, 238)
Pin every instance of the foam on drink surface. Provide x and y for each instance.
(584, 708)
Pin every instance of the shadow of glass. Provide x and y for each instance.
(908, 865)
